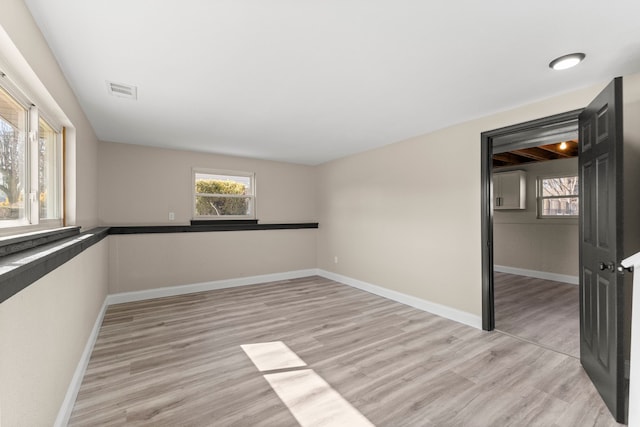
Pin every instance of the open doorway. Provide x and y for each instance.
(535, 243)
(524, 136)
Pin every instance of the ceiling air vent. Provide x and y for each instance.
(122, 90)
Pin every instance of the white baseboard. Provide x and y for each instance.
(421, 304)
(64, 414)
(431, 307)
(573, 280)
(206, 286)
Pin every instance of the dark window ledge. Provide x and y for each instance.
(19, 270)
(209, 226)
(26, 258)
(238, 222)
(22, 242)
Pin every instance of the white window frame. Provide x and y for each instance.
(252, 197)
(540, 198)
(52, 222)
(31, 220)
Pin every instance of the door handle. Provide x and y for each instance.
(607, 266)
(622, 269)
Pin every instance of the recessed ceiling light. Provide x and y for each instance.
(567, 61)
(563, 145)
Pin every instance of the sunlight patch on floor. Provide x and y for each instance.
(311, 400)
(269, 356)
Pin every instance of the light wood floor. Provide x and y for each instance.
(177, 361)
(541, 311)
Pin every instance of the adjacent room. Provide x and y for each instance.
(536, 245)
(220, 213)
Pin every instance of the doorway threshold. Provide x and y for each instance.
(535, 343)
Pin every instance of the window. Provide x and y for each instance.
(48, 171)
(13, 131)
(30, 170)
(223, 194)
(558, 197)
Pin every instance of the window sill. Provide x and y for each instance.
(22, 242)
(238, 222)
(20, 269)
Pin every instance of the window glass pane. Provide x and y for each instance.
(222, 184)
(222, 206)
(47, 171)
(220, 195)
(13, 130)
(563, 186)
(560, 206)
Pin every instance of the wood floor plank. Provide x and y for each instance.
(178, 361)
(541, 311)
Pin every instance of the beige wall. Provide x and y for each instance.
(43, 331)
(141, 185)
(148, 261)
(30, 62)
(407, 216)
(522, 240)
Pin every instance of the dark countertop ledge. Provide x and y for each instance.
(26, 258)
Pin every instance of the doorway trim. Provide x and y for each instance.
(528, 134)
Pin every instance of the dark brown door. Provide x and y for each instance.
(601, 293)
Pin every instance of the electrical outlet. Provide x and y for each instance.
(172, 216)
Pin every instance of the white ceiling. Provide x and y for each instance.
(308, 81)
